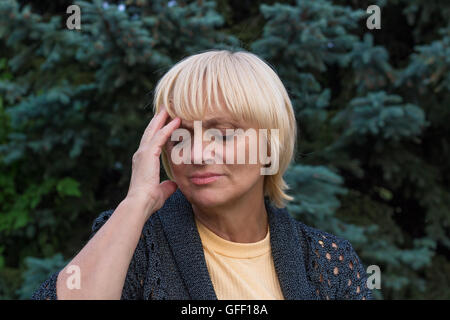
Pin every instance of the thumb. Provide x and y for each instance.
(168, 187)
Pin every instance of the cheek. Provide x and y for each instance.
(241, 171)
(177, 170)
(245, 173)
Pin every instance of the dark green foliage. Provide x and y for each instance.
(373, 156)
(37, 271)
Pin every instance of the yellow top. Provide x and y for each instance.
(240, 270)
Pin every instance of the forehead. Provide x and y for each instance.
(215, 118)
(209, 122)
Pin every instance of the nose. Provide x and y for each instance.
(205, 149)
(198, 150)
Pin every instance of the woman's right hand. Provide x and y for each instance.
(145, 179)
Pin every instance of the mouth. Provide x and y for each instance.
(205, 178)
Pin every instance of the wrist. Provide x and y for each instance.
(142, 206)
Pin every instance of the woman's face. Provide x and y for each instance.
(235, 180)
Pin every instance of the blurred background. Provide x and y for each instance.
(372, 105)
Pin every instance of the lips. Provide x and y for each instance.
(205, 178)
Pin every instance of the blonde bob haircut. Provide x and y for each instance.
(251, 91)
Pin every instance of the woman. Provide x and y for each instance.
(219, 228)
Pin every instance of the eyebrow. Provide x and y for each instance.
(213, 122)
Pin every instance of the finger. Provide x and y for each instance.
(152, 127)
(168, 187)
(164, 134)
(155, 124)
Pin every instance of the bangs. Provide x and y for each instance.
(232, 82)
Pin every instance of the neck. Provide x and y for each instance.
(244, 220)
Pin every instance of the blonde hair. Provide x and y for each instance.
(251, 90)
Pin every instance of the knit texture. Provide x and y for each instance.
(169, 261)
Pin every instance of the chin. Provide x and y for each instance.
(206, 197)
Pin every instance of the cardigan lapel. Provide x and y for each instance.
(178, 222)
(288, 256)
(177, 218)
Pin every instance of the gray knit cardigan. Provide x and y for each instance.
(169, 261)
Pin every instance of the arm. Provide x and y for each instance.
(105, 260)
(103, 263)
